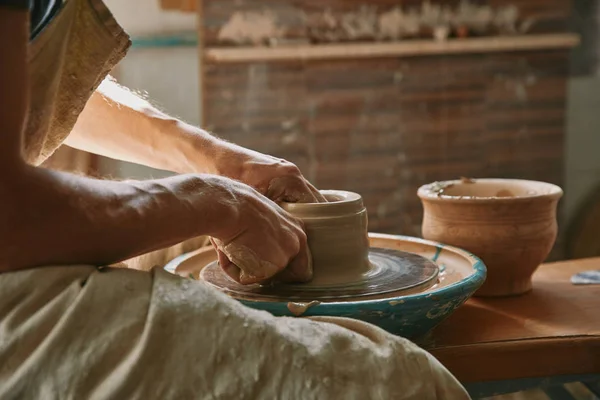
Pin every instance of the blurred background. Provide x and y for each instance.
(381, 96)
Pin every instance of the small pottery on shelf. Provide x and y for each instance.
(509, 223)
(462, 31)
(441, 33)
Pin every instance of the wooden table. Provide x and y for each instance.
(551, 333)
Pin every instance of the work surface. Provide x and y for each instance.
(552, 330)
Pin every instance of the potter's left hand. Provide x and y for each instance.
(275, 178)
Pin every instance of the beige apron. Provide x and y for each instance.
(78, 332)
(67, 62)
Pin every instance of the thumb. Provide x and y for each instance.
(242, 264)
(229, 268)
(299, 270)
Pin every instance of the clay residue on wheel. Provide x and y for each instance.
(298, 309)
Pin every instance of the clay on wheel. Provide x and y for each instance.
(337, 237)
(344, 265)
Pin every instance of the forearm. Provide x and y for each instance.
(118, 123)
(58, 218)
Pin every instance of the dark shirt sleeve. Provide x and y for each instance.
(18, 4)
(41, 11)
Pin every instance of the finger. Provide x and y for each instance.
(229, 268)
(292, 189)
(306, 195)
(300, 269)
(244, 266)
(276, 190)
(318, 196)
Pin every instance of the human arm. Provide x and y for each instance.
(14, 23)
(55, 218)
(49, 217)
(118, 123)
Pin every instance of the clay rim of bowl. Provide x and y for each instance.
(339, 203)
(537, 190)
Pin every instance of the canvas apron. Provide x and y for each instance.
(67, 62)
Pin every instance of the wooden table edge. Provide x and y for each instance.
(540, 357)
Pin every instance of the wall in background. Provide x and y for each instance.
(168, 76)
(582, 175)
(145, 17)
(583, 142)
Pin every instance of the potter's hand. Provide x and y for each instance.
(278, 179)
(258, 240)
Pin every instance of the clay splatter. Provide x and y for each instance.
(396, 302)
(438, 251)
(441, 310)
(438, 188)
(299, 309)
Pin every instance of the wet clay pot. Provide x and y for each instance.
(509, 223)
(337, 236)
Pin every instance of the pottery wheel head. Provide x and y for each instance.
(392, 272)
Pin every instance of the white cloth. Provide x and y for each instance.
(76, 332)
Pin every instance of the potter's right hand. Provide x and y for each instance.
(257, 240)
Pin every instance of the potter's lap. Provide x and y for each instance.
(76, 331)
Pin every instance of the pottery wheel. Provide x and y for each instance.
(391, 271)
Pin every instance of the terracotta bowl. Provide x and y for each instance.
(509, 223)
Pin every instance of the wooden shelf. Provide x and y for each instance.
(408, 48)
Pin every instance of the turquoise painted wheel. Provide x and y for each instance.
(411, 315)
